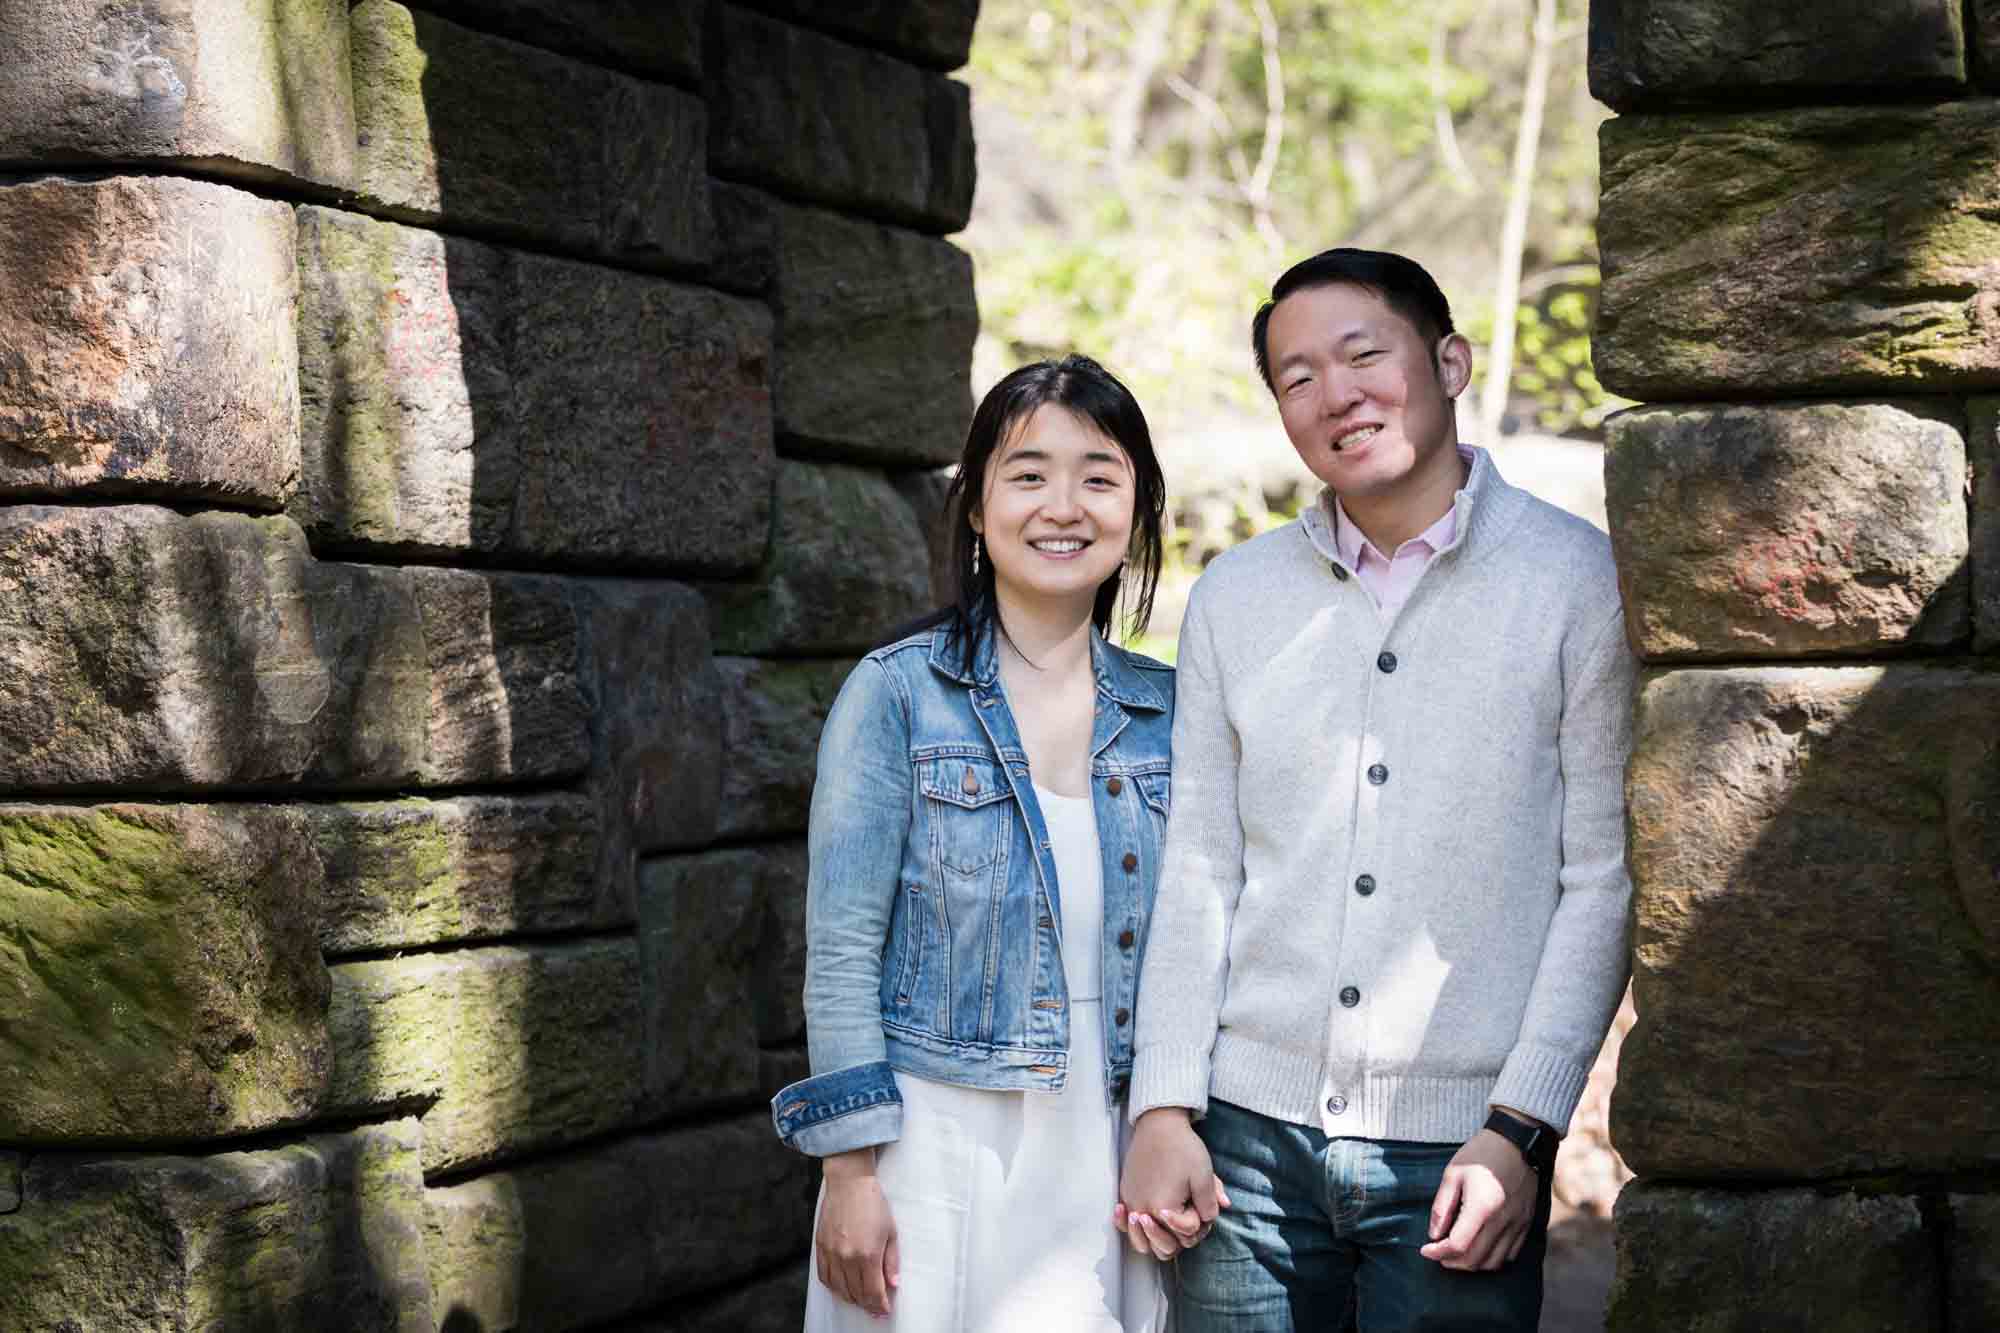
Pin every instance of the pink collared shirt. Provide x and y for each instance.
(1389, 579)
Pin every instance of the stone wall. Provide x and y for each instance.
(449, 457)
(1802, 278)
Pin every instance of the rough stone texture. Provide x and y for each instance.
(1817, 874)
(1974, 1263)
(927, 493)
(403, 874)
(1789, 531)
(1801, 252)
(848, 563)
(932, 32)
(722, 950)
(1982, 442)
(1774, 1259)
(456, 126)
(506, 1049)
(149, 336)
(874, 340)
(746, 238)
(459, 397)
(656, 728)
(153, 650)
(570, 1242)
(257, 88)
(1654, 53)
(644, 36)
(10, 1181)
(160, 975)
(320, 1234)
(820, 119)
(1984, 17)
(779, 1068)
(770, 1305)
(771, 716)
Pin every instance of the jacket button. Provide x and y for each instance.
(971, 783)
(1131, 863)
(1386, 663)
(1119, 1084)
(1114, 786)
(1047, 923)
(1122, 1017)
(1349, 997)
(1377, 774)
(1126, 939)
(1364, 885)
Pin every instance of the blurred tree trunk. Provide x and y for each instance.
(1514, 228)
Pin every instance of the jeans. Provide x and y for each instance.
(1322, 1236)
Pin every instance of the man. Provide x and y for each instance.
(1391, 925)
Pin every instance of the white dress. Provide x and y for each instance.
(1002, 1200)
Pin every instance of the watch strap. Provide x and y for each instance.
(1536, 1142)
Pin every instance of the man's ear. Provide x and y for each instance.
(1454, 362)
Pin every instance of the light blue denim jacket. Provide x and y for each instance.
(932, 943)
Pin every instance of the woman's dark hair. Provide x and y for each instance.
(1079, 385)
(1404, 285)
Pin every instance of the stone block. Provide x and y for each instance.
(1817, 890)
(928, 493)
(1982, 442)
(257, 89)
(506, 1049)
(1800, 253)
(1983, 17)
(722, 953)
(661, 41)
(875, 334)
(151, 650)
(151, 335)
(848, 564)
(772, 713)
(656, 728)
(768, 1305)
(1797, 530)
(1771, 1259)
(1973, 1298)
(746, 238)
(780, 1067)
(409, 873)
(10, 1181)
(1662, 53)
(572, 1241)
(470, 130)
(324, 1233)
(937, 33)
(819, 119)
(160, 975)
(459, 397)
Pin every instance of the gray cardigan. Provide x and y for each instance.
(1394, 887)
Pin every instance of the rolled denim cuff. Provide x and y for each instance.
(841, 1111)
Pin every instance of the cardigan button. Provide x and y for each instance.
(1349, 997)
(1339, 573)
(1385, 663)
(1364, 885)
(1378, 774)
(1131, 863)
(1114, 786)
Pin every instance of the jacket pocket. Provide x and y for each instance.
(971, 810)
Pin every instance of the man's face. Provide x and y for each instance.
(1365, 398)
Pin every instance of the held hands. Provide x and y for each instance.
(854, 1246)
(1168, 1193)
(1484, 1207)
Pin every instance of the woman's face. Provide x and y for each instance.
(1056, 512)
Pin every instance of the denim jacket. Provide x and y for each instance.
(932, 908)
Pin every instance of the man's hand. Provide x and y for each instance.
(1484, 1207)
(1168, 1191)
(854, 1246)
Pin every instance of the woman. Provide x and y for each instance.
(986, 825)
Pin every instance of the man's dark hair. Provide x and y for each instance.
(1402, 283)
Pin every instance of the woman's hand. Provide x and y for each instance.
(855, 1243)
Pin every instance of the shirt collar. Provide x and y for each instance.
(1351, 542)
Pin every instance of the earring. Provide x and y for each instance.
(975, 557)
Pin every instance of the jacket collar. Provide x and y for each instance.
(1117, 678)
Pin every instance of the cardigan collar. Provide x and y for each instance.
(1486, 507)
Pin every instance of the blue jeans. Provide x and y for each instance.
(1322, 1236)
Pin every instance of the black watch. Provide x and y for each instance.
(1536, 1142)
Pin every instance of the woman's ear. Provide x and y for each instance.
(976, 522)
(1454, 360)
